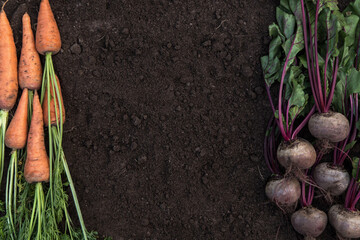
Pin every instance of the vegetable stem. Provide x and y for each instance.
(71, 183)
(281, 123)
(3, 124)
(10, 192)
(303, 123)
(269, 147)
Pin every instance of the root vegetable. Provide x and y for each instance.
(283, 191)
(309, 221)
(334, 179)
(16, 134)
(298, 153)
(8, 66)
(331, 126)
(345, 222)
(37, 162)
(30, 71)
(47, 32)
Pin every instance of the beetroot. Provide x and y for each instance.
(334, 179)
(298, 153)
(309, 221)
(283, 191)
(330, 126)
(346, 222)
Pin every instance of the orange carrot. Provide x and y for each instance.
(16, 134)
(30, 72)
(37, 161)
(47, 32)
(8, 65)
(53, 98)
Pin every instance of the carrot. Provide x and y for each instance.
(8, 65)
(37, 161)
(30, 71)
(47, 32)
(16, 134)
(54, 116)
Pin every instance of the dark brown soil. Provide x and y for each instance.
(166, 114)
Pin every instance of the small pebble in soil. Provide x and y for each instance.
(205, 180)
(247, 71)
(96, 73)
(186, 79)
(88, 143)
(252, 94)
(228, 57)
(92, 60)
(93, 98)
(218, 14)
(226, 152)
(142, 159)
(145, 221)
(75, 49)
(136, 121)
(259, 90)
(125, 31)
(215, 166)
(254, 158)
(203, 152)
(227, 41)
(206, 43)
(133, 146)
(117, 148)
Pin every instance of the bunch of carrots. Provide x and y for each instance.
(36, 201)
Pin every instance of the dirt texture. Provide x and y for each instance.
(166, 114)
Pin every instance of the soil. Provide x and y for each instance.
(166, 115)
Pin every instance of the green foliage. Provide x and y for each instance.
(286, 21)
(287, 41)
(348, 75)
(355, 163)
(339, 94)
(350, 145)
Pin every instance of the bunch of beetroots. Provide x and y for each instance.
(313, 66)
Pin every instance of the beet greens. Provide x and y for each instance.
(282, 64)
(321, 29)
